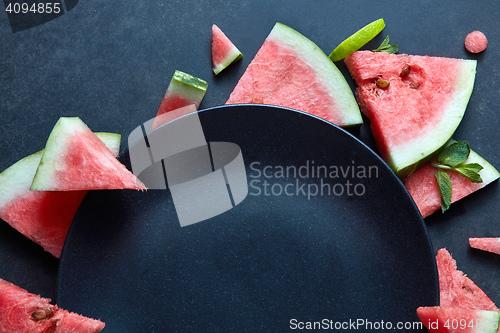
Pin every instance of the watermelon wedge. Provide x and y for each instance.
(24, 312)
(440, 320)
(456, 290)
(290, 70)
(415, 111)
(76, 159)
(42, 216)
(224, 52)
(183, 90)
(490, 244)
(423, 187)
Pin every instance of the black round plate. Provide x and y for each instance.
(274, 263)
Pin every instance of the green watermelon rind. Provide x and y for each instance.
(188, 86)
(324, 69)
(407, 158)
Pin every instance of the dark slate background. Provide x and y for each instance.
(109, 62)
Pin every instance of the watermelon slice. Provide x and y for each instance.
(290, 70)
(491, 244)
(416, 111)
(183, 90)
(24, 312)
(456, 290)
(441, 320)
(224, 52)
(42, 216)
(76, 159)
(423, 187)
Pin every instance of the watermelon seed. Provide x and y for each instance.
(414, 85)
(40, 314)
(384, 84)
(405, 71)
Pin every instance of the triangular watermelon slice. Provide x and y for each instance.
(42, 216)
(456, 290)
(453, 320)
(24, 312)
(224, 52)
(183, 90)
(290, 70)
(490, 244)
(76, 159)
(423, 187)
(414, 103)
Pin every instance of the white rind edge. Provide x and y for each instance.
(411, 153)
(324, 68)
(234, 55)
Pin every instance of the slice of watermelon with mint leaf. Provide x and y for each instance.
(454, 174)
(75, 159)
(454, 157)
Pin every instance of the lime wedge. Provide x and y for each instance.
(358, 39)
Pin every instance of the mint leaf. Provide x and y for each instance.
(455, 154)
(470, 171)
(386, 47)
(444, 183)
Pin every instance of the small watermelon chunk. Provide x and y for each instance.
(440, 320)
(24, 312)
(42, 216)
(475, 42)
(290, 70)
(76, 159)
(456, 290)
(224, 52)
(489, 244)
(416, 113)
(183, 90)
(423, 187)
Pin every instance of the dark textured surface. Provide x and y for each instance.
(110, 62)
(275, 257)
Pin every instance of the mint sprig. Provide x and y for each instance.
(386, 47)
(453, 157)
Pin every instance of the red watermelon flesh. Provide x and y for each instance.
(453, 320)
(23, 312)
(183, 90)
(76, 159)
(423, 187)
(417, 113)
(490, 244)
(42, 216)
(290, 70)
(456, 289)
(224, 52)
